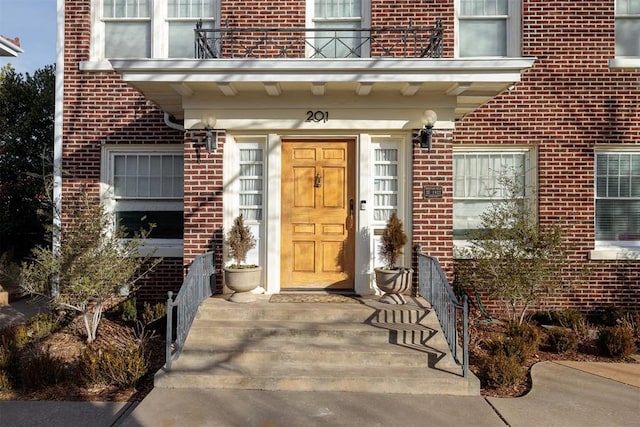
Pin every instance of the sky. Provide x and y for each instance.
(34, 22)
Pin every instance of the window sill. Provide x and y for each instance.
(615, 254)
(100, 65)
(624, 62)
(161, 249)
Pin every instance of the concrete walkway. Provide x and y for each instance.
(564, 394)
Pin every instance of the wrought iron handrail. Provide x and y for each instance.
(197, 287)
(435, 288)
(232, 42)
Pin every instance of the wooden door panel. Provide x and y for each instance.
(317, 236)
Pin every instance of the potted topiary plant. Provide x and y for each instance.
(241, 278)
(392, 279)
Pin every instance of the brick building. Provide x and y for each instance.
(310, 118)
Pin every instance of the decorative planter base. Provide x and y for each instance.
(394, 283)
(242, 281)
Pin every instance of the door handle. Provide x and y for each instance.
(350, 219)
(317, 182)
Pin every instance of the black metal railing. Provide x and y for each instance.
(231, 42)
(197, 287)
(435, 288)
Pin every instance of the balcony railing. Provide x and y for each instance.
(395, 42)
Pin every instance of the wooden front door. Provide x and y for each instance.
(318, 214)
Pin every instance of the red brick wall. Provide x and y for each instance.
(100, 109)
(568, 102)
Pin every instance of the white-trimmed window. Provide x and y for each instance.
(479, 179)
(386, 168)
(149, 28)
(127, 28)
(146, 187)
(251, 192)
(617, 219)
(488, 28)
(342, 20)
(182, 18)
(627, 28)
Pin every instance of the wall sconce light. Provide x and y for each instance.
(429, 119)
(210, 138)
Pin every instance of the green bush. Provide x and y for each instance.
(5, 381)
(568, 318)
(500, 370)
(14, 337)
(523, 339)
(128, 310)
(41, 369)
(42, 325)
(153, 312)
(112, 365)
(616, 341)
(562, 340)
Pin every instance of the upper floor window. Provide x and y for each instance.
(482, 178)
(618, 198)
(150, 28)
(127, 28)
(488, 28)
(182, 18)
(340, 21)
(628, 28)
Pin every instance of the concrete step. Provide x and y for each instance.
(369, 310)
(312, 353)
(366, 347)
(379, 379)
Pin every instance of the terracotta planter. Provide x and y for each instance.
(242, 281)
(394, 283)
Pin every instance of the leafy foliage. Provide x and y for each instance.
(392, 241)
(240, 241)
(26, 153)
(616, 341)
(515, 258)
(91, 265)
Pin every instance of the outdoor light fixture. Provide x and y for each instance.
(210, 138)
(429, 119)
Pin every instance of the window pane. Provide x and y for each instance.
(483, 38)
(483, 7)
(628, 36)
(337, 8)
(337, 44)
(385, 183)
(478, 179)
(618, 196)
(181, 38)
(168, 224)
(191, 8)
(251, 183)
(127, 39)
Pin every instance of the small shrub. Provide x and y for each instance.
(562, 340)
(41, 369)
(5, 381)
(568, 318)
(611, 315)
(616, 341)
(153, 312)
(525, 338)
(112, 365)
(500, 370)
(14, 337)
(42, 325)
(128, 310)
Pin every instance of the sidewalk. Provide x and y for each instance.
(564, 394)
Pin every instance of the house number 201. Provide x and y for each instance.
(317, 116)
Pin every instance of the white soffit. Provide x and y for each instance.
(9, 48)
(468, 82)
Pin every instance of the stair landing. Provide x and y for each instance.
(365, 346)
